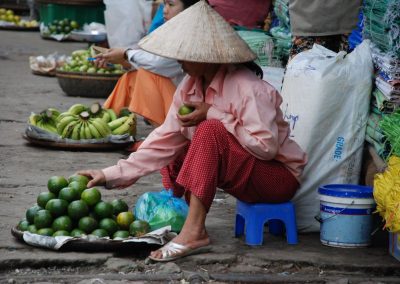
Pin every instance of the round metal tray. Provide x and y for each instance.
(17, 28)
(88, 36)
(76, 146)
(141, 248)
(78, 84)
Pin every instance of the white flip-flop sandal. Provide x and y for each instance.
(172, 251)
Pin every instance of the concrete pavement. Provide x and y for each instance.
(25, 170)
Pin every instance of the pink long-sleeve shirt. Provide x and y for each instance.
(248, 107)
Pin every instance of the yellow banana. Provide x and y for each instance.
(64, 122)
(88, 134)
(126, 126)
(77, 109)
(82, 130)
(33, 118)
(76, 130)
(93, 131)
(105, 116)
(67, 131)
(101, 126)
(117, 122)
(112, 113)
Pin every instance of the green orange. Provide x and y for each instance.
(23, 225)
(79, 178)
(57, 207)
(124, 219)
(119, 206)
(103, 209)
(184, 109)
(61, 233)
(78, 186)
(44, 197)
(62, 223)
(77, 233)
(69, 194)
(91, 196)
(56, 183)
(121, 234)
(109, 225)
(42, 219)
(139, 228)
(46, 232)
(87, 224)
(78, 209)
(101, 233)
(30, 213)
(32, 229)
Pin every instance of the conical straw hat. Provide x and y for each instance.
(198, 34)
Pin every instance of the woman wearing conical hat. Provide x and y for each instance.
(235, 139)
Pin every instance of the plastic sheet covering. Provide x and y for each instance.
(387, 63)
(38, 133)
(161, 209)
(382, 24)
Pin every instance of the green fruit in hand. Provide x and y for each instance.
(78, 186)
(79, 178)
(184, 109)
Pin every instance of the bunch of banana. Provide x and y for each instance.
(46, 120)
(123, 125)
(82, 126)
(106, 115)
(77, 109)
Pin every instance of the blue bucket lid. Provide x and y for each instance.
(346, 190)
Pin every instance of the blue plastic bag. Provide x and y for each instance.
(161, 209)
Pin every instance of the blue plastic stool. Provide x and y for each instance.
(253, 216)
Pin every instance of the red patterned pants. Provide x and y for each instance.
(214, 158)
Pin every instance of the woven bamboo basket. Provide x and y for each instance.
(77, 84)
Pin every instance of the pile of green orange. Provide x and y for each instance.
(69, 208)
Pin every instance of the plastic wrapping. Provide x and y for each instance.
(161, 209)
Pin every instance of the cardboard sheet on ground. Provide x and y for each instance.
(156, 237)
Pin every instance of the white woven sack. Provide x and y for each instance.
(326, 97)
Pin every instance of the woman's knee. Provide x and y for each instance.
(211, 127)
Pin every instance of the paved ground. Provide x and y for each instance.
(25, 170)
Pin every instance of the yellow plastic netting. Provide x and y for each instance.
(387, 194)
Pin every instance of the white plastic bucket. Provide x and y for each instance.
(346, 215)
